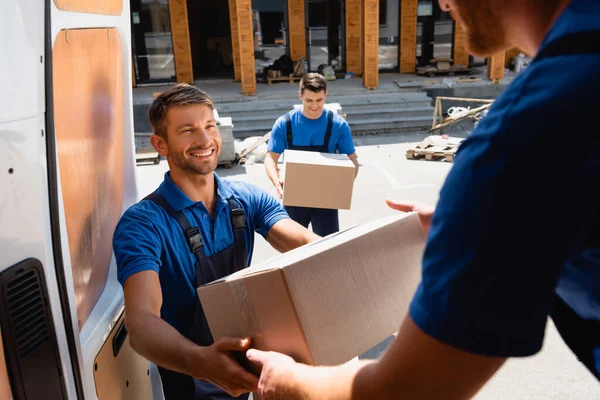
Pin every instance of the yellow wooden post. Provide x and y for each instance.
(235, 40)
(495, 67)
(370, 43)
(408, 36)
(297, 29)
(353, 37)
(246, 39)
(181, 41)
(461, 52)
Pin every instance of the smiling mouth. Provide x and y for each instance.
(202, 153)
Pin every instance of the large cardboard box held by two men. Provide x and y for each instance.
(326, 302)
(318, 180)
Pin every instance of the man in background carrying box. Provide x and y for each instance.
(310, 128)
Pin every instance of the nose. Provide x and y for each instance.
(202, 138)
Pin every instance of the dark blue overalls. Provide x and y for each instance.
(324, 221)
(178, 386)
(581, 335)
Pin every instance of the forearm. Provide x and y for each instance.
(354, 380)
(160, 343)
(271, 169)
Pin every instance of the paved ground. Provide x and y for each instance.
(554, 373)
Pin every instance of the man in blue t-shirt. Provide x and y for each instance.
(310, 128)
(515, 238)
(195, 228)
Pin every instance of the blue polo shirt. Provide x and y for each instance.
(518, 216)
(311, 132)
(148, 239)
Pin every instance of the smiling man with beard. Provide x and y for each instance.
(515, 237)
(195, 228)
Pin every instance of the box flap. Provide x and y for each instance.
(313, 157)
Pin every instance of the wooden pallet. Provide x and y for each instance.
(435, 148)
(291, 79)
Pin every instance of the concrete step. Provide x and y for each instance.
(358, 126)
(399, 124)
(243, 121)
(350, 100)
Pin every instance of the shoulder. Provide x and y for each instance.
(338, 120)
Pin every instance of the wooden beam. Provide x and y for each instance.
(408, 36)
(370, 43)
(297, 29)
(246, 39)
(495, 67)
(181, 41)
(353, 36)
(461, 52)
(235, 40)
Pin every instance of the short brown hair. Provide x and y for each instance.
(313, 82)
(181, 94)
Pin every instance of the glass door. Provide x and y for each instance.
(325, 34)
(153, 59)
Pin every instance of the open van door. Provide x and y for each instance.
(67, 173)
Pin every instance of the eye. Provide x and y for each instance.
(186, 130)
(211, 126)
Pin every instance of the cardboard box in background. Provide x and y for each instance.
(327, 302)
(319, 180)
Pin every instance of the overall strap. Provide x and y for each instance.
(192, 234)
(238, 224)
(288, 130)
(587, 42)
(328, 131)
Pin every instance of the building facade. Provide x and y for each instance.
(191, 40)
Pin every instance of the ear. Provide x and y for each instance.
(300, 95)
(159, 144)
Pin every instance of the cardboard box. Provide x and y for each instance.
(327, 302)
(319, 180)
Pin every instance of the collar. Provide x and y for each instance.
(179, 200)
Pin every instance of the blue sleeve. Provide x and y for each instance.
(266, 210)
(508, 219)
(277, 141)
(345, 145)
(136, 244)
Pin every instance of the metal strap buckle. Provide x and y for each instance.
(194, 238)
(238, 218)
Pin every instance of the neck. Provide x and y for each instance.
(531, 22)
(197, 187)
(308, 116)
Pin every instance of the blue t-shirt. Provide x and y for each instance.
(311, 132)
(147, 238)
(518, 216)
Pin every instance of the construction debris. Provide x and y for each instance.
(435, 148)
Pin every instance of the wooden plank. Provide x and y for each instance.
(105, 7)
(246, 38)
(296, 29)
(461, 51)
(370, 43)
(235, 40)
(495, 67)
(408, 36)
(181, 41)
(353, 37)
